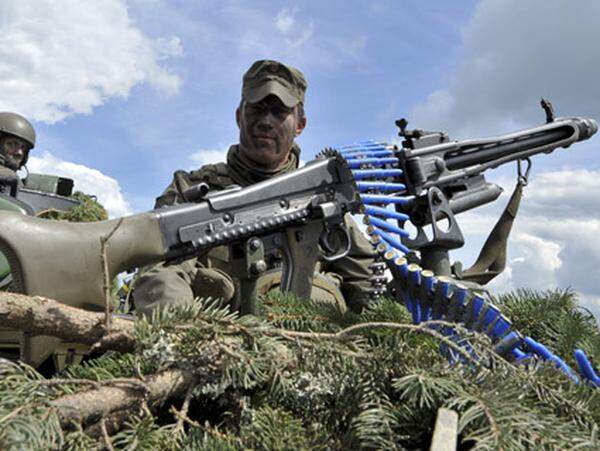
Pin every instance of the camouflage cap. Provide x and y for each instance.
(272, 77)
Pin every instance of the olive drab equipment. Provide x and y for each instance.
(29, 197)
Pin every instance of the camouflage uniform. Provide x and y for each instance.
(343, 282)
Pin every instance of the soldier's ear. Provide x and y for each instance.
(238, 113)
(300, 124)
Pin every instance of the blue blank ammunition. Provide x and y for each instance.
(387, 226)
(356, 163)
(585, 368)
(382, 199)
(389, 238)
(385, 213)
(381, 186)
(362, 174)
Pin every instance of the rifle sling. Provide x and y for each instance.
(492, 257)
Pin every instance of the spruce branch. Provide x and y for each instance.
(424, 328)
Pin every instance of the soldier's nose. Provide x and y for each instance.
(264, 125)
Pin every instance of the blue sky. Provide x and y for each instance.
(124, 92)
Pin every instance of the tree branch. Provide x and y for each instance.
(89, 406)
(44, 316)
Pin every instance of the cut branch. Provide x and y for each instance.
(44, 316)
(92, 405)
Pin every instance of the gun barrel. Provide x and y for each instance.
(466, 157)
(546, 138)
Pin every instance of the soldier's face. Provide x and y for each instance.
(14, 150)
(267, 131)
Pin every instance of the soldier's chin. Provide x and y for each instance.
(11, 164)
(265, 156)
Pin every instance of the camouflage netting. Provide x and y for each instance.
(88, 211)
(307, 378)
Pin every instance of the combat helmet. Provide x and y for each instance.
(17, 125)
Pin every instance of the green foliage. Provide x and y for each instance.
(295, 381)
(88, 210)
(25, 421)
(555, 319)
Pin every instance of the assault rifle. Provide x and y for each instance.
(297, 218)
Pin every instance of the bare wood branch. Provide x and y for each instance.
(103, 250)
(182, 414)
(105, 436)
(113, 423)
(89, 406)
(44, 316)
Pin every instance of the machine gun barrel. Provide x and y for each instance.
(446, 162)
(484, 153)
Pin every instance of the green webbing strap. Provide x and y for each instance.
(492, 258)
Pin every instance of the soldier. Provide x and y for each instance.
(17, 138)
(269, 116)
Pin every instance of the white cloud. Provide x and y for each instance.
(284, 20)
(208, 156)
(63, 58)
(515, 52)
(294, 33)
(88, 180)
(555, 240)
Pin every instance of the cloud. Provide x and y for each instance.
(88, 180)
(555, 240)
(287, 34)
(295, 36)
(515, 52)
(285, 20)
(63, 58)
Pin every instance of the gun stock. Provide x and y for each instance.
(63, 261)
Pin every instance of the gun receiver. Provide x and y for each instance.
(63, 260)
(444, 177)
(429, 159)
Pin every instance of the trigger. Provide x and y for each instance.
(330, 249)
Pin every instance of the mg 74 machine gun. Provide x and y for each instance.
(427, 182)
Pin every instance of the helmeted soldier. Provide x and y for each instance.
(17, 138)
(270, 116)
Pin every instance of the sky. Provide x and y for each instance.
(124, 92)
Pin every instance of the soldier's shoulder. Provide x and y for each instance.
(216, 174)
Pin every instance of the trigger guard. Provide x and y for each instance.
(342, 253)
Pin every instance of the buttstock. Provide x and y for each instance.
(63, 261)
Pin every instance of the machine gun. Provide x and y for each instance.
(292, 215)
(430, 180)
